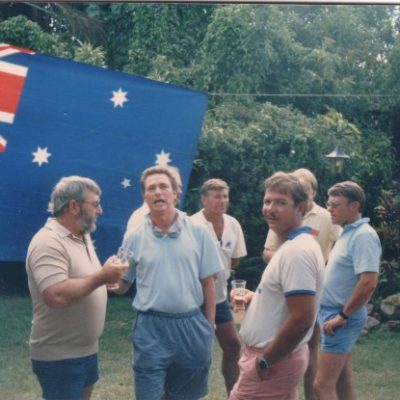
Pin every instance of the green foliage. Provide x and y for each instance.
(139, 33)
(19, 31)
(246, 49)
(388, 214)
(87, 53)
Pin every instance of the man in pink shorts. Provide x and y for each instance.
(281, 312)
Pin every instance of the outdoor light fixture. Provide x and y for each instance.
(337, 157)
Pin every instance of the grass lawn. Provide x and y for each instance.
(376, 357)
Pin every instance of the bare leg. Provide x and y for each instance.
(345, 387)
(311, 371)
(230, 343)
(87, 392)
(330, 367)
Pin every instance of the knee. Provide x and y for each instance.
(320, 386)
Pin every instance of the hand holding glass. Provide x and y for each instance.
(239, 291)
(122, 260)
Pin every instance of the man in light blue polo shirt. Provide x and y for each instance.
(174, 263)
(350, 280)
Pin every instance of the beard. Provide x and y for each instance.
(86, 222)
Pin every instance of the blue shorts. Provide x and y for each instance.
(171, 355)
(223, 313)
(66, 379)
(346, 336)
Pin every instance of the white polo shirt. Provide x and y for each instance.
(232, 245)
(296, 268)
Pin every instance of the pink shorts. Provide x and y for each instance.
(282, 380)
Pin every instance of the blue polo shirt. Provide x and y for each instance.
(168, 267)
(357, 250)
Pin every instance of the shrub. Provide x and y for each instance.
(388, 214)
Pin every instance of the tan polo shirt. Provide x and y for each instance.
(320, 221)
(55, 255)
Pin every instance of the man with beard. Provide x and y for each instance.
(67, 285)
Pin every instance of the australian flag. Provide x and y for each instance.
(61, 118)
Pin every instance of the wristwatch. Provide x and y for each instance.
(263, 364)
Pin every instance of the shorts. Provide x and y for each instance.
(282, 380)
(66, 379)
(171, 355)
(346, 336)
(223, 313)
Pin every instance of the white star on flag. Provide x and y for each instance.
(163, 159)
(41, 156)
(119, 98)
(126, 183)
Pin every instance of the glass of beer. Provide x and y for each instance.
(239, 308)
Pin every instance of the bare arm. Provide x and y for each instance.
(302, 309)
(209, 294)
(235, 263)
(71, 290)
(361, 294)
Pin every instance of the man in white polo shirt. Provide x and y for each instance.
(282, 311)
(325, 232)
(229, 237)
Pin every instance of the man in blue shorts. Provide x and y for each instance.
(350, 280)
(229, 237)
(69, 297)
(174, 264)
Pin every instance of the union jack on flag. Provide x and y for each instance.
(60, 118)
(12, 78)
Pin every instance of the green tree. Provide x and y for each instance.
(20, 31)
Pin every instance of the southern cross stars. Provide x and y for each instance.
(41, 156)
(163, 159)
(119, 98)
(126, 183)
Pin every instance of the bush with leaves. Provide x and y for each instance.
(388, 215)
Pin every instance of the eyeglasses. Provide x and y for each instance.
(94, 204)
(333, 205)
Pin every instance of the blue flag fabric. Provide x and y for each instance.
(61, 118)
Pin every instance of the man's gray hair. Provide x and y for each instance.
(71, 188)
(288, 184)
(350, 190)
